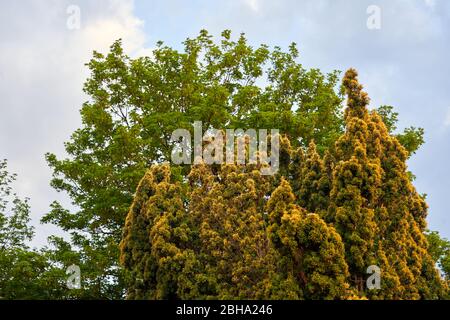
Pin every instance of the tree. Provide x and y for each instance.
(246, 237)
(233, 230)
(356, 179)
(411, 138)
(134, 106)
(29, 274)
(14, 214)
(311, 253)
(25, 273)
(375, 206)
(156, 237)
(439, 249)
(224, 243)
(213, 245)
(313, 183)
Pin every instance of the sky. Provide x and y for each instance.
(399, 47)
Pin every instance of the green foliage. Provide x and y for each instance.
(439, 248)
(411, 138)
(313, 187)
(219, 244)
(25, 273)
(28, 274)
(376, 208)
(14, 214)
(232, 239)
(389, 116)
(135, 104)
(154, 237)
(249, 236)
(311, 253)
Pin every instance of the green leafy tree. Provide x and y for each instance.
(14, 214)
(135, 104)
(25, 273)
(411, 138)
(439, 248)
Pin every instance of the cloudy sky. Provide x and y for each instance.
(403, 63)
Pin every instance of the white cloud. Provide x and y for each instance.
(100, 32)
(253, 4)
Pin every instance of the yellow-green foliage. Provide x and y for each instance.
(310, 252)
(375, 207)
(310, 232)
(314, 184)
(155, 237)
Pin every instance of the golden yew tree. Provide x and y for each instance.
(375, 207)
(156, 238)
(401, 215)
(311, 260)
(355, 185)
(309, 232)
(313, 187)
(233, 240)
